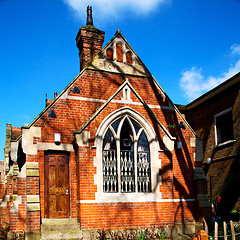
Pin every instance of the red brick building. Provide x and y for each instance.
(1, 170)
(215, 117)
(110, 151)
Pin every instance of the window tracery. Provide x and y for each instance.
(126, 158)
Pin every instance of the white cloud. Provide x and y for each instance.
(194, 84)
(111, 9)
(235, 49)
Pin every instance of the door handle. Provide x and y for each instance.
(67, 192)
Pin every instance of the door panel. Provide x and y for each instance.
(56, 185)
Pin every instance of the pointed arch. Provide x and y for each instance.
(136, 166)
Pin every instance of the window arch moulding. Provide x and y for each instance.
(143, 184)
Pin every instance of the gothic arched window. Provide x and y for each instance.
(126, 158)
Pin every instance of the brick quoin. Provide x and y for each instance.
(33, 222)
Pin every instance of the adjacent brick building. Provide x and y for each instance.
(111, 150)
(215, 117)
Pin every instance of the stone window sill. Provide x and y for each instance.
(225, 144)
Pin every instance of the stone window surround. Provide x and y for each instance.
(136, 136)
(155, 195)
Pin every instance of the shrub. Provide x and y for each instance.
(3, 232)
(141, 234)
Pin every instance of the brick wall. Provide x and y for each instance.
(18, 219)
(33, 222)
(223, 172)
(177, 205)
(135, 215)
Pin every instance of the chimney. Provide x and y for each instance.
(89, 41)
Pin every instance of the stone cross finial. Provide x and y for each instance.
(89, 16)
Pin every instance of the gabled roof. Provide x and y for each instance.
(118, 34)
(100, 62)
(140, 99)
(137, 68)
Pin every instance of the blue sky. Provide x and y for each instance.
(189, 47)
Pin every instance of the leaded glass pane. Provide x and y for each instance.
(143, 165)
(136, 126)
(127, 171)
(127, 158)
(126, 136)
(109, 141)
(143, 142)
(116, 124)
(110, 180)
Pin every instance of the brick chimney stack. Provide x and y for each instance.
(89, 41)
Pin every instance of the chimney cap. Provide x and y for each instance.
(89, 16)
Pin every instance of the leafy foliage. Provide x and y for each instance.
(3, 232)
(142, 234)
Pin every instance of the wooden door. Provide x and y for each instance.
(56, 185)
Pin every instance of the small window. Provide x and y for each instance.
(224, 126)
(110, 54)
(129, 57)
(119, 52)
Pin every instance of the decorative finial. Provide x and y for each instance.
(89, 16)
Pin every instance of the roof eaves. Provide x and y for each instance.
(223, 86)
(151, 112)
(176, 109)
(134, 52)
(50, 104)
(53, 101)
(65, 89)
(17, 139)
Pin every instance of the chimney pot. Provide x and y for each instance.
(89, 16)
